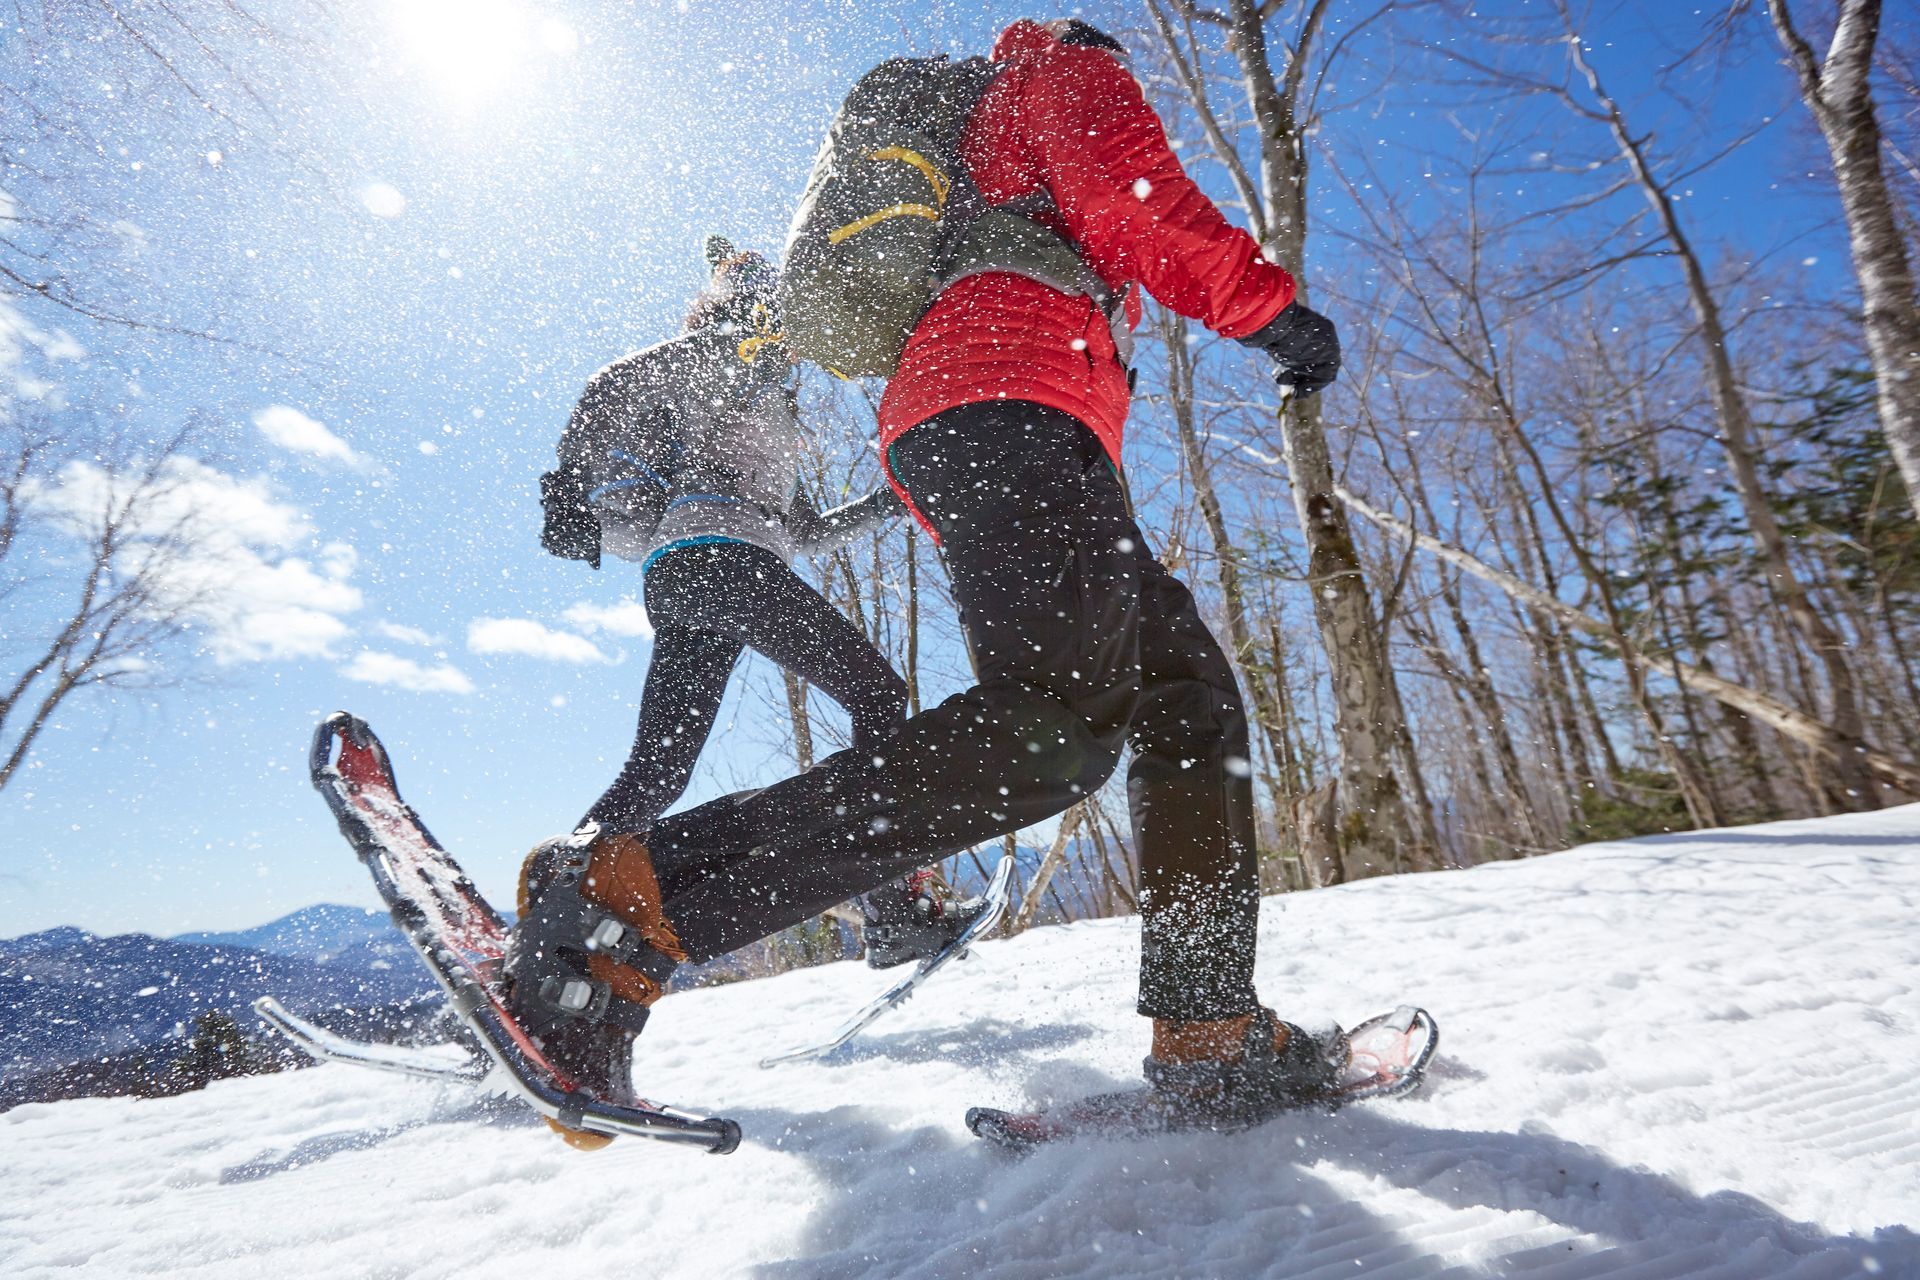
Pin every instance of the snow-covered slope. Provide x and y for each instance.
(1689, 1056)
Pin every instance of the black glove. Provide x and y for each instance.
(1305, 348)
(571, 529)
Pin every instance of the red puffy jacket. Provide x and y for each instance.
(1070, 120)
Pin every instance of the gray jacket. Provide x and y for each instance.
(686, 441)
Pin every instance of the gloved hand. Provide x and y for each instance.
(571, 528)
(1304, 346)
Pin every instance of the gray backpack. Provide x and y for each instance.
(890, 218)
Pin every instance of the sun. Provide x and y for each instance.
(472, 49)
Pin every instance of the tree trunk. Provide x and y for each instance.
(1043, 874)
(1840, 95)
(802, 724)
(1374, 835)
(1266, 712)
(1375, 832)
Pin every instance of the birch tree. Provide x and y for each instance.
(1838, 91)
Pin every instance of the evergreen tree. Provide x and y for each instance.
(218, 1050)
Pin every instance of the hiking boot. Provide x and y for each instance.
(589, 955)
(1240, 1071)
(598, 1057)
(914, 919)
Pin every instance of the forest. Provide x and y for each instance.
(1609, 527)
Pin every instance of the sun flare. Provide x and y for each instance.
(474, 49)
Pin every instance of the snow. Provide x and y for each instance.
(1685, 1056)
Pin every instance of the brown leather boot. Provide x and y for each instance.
(1241, 1070)
(589, 956)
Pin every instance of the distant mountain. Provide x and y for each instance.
(149, 1071)
(323, 934)
(46, 940)
(66, 995)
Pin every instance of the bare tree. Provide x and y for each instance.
(1050, 864)
(1809, 732)
(107, 537)
(1365, 826)
(201, 61)
(1854, 783)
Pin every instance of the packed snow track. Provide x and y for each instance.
(1690, 1056)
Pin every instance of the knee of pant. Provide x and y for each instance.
(1081, 761)
(1053, 743)
(1191, 719)
(1092, 771)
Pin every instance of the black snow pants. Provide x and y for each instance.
(707, 603)
(1082, 643)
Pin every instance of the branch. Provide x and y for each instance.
(1196, 94)
(1800, 55)
(1804, 729)
(1297, 62)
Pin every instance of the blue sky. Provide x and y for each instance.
(464, 209)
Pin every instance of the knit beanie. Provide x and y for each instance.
(739, 293)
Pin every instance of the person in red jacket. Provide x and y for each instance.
(1002, 430)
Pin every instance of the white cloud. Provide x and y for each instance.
(371, 667)
(132, 235)
(404, 634)
(221, 552)
(20, 341)
(61, 345)
(383, 200)
(295, 432)
(627, 618)
(531, 639)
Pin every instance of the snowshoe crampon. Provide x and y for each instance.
(463, 941)
(1389, 1056)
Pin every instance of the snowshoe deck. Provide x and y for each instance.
(463, 940)
(1389, 1059)
(998, 893)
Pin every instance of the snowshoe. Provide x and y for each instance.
(993, 903)
(914, 919)
(464, 943)
(1383, 1057)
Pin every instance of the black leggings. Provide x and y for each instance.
(707, 603)
(1083, 643)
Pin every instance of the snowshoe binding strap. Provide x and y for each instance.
(549, 958)
(1301, 1071)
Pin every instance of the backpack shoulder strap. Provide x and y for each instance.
(978, 238)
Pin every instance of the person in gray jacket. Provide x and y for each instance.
(684, 458)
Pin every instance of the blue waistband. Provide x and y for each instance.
(705, 539)
(647, 476)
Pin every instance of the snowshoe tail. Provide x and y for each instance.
(323, 1045)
